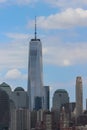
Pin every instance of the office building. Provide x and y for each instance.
(35, 73)
(70, 109)
(79, 96)
(38, 103)
(60, 97)
(46, 97)
(20, 98)
(86, 104)
(36, 118)
(33, 119)
(4, 86)
(40, 115)
(4, 110)
(20, 119)
(48, 119)
(64, 120)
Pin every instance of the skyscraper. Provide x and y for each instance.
(79, 96)
(46, 97)
(4, 86)
(60, 97)
(20, 119)
(35, 73)
(4, 110)
(20, 98)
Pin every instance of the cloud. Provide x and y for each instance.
(54, 3)
(18, 2)
(3, 1)
(14, 54)
(15, 74)
(17, 36)
(63, 20)
(67, 3)
(64, 54)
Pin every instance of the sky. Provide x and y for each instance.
(62, 28)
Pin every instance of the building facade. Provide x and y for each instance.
(48, 119)
(20, 98)
(4, 110)
(60, 97)
(4, 86)
(86, 104)
(20, 119)
(35, 73)
(46, 97)
(79, 96)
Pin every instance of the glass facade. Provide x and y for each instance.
(38, 103)
(35, 82)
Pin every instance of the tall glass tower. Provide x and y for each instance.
(35, 74)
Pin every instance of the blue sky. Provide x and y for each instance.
(62, 28)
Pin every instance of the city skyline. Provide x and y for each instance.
(62, 28)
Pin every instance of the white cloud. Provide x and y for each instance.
(17, 36)
(15, 74)
(55, 3)
(66, 62)
(17, 2)
(63, 20)
(64, 54)
(15, 54)
(3, 1)
(67, 3)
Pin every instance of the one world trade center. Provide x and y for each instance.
(35, 74)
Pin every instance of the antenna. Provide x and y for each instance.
(35, 29)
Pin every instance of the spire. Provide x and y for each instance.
(35, 29)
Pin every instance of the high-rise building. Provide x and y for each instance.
(79, 96)
(20, 119)
(20, 98)
(60, 97)
(4, 110)
(35, 73)
(46, 97)
(4, 86)
(48, 119)
(86, 104)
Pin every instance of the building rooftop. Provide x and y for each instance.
(35, 39)
(61, 91)
(19, 89)
(4, 85)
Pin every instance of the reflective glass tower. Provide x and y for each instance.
(35, 74)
